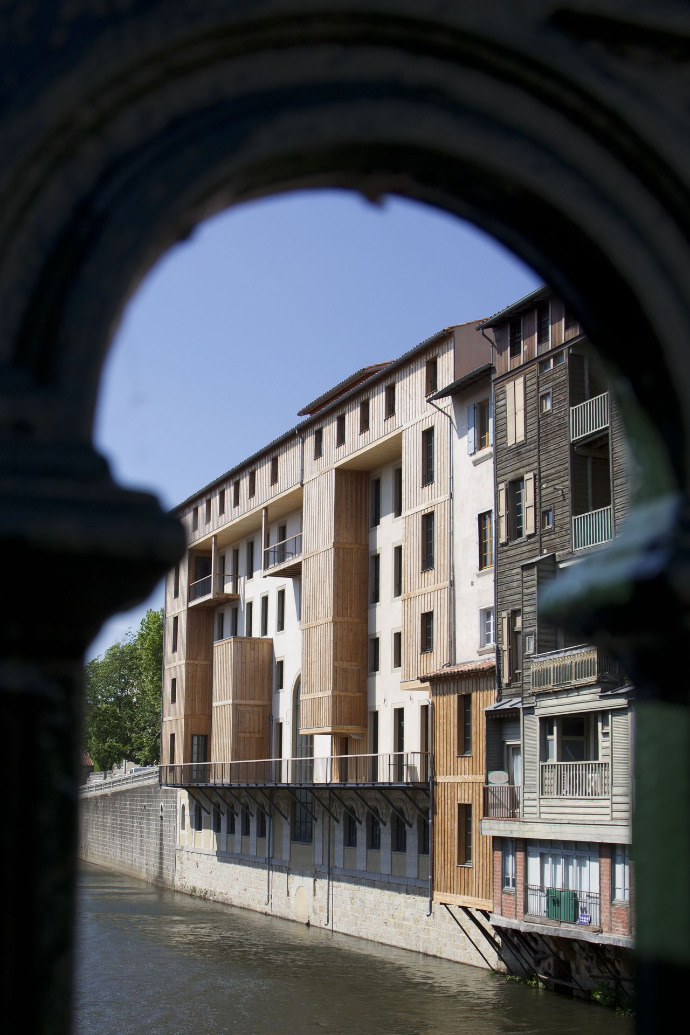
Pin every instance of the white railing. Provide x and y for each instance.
(574, 666)
(99, 783)
(592, 528)
(590, 416)
(575, 779)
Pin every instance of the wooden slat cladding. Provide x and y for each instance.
(460, 778)
(242, 685)
(415, 493)
(417, 662)
(622, 468)
(333, 695)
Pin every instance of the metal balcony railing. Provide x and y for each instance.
(287, 550)
(502, 801)
(573, 666)
(592, 528)
(568, 906)
(204, 587)
(589, 416)
(575, 779)
(400, 767)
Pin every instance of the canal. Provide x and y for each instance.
(155, 962)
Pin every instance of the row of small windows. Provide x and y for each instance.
(487, 638)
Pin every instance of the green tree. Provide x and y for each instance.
(123, 697)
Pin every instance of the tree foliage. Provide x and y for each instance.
(123, 698)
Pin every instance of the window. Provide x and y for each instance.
(221, 501)
(515, 335)
(397, 492)
(195, 519)
(175, 626)
(480, 422)
(516, 508)
(252, 484)
(511, 646)
(559, 359)
(318, 443)
(231, 821)
(375, 578)
(423, 836)
(373, 832)
(428, 456)
(261, 823)
(248, 618)
(173, 689)
(176, 580)
(428, 541)
(350, 832)
(431, 375)
(427, 632)
(280, 667)
(464, 724)
(374, 654)
(464, 835)
(545, 402)
(216, 820)
(529, 643)
(546, 365)
(274, 470)
(508, 863)
(515, 411)
(390, 400)
(280, 611)
(246, 822)
(250, 559)
(620, 885)
(397, 571)
(569, 321)
(399, 832)
(199, 748)
(397, 649)
(264, 615)
(220, 625)
(171, 749)
(375, 500)
(182, 817)
(543, 325)
(236, 493)
(487, 627)
(208, 510)
(234, 621)
(547, 519)
(340, 430)
(485, 523)
(198, 818)
(302, 823)
(363, 416)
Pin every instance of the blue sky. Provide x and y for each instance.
(262, 310)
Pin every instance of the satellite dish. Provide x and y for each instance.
(498, 776)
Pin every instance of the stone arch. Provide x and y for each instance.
(560, 129)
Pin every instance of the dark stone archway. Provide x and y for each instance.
(561, 128)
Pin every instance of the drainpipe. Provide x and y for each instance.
(451, 564)
(430, 702)
(497, 653)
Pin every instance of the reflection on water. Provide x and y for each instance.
(154, 962)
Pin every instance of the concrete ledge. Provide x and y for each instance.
(564, 931)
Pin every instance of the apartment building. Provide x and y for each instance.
(330, 582)
(559, 738)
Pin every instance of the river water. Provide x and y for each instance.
(155, 962)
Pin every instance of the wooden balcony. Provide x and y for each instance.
(284, 559)
(210, 591)
(575, 779)
(589, 417)
(593, 528)
(574, 666)
(502, 801)
(400, 768)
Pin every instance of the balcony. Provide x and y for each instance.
(400, 768)
(564, 905)
(284, 558)
(593, 528)
(574, 666)
(502, 801)
(213, 590)
(575, 779)
(589, 417)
